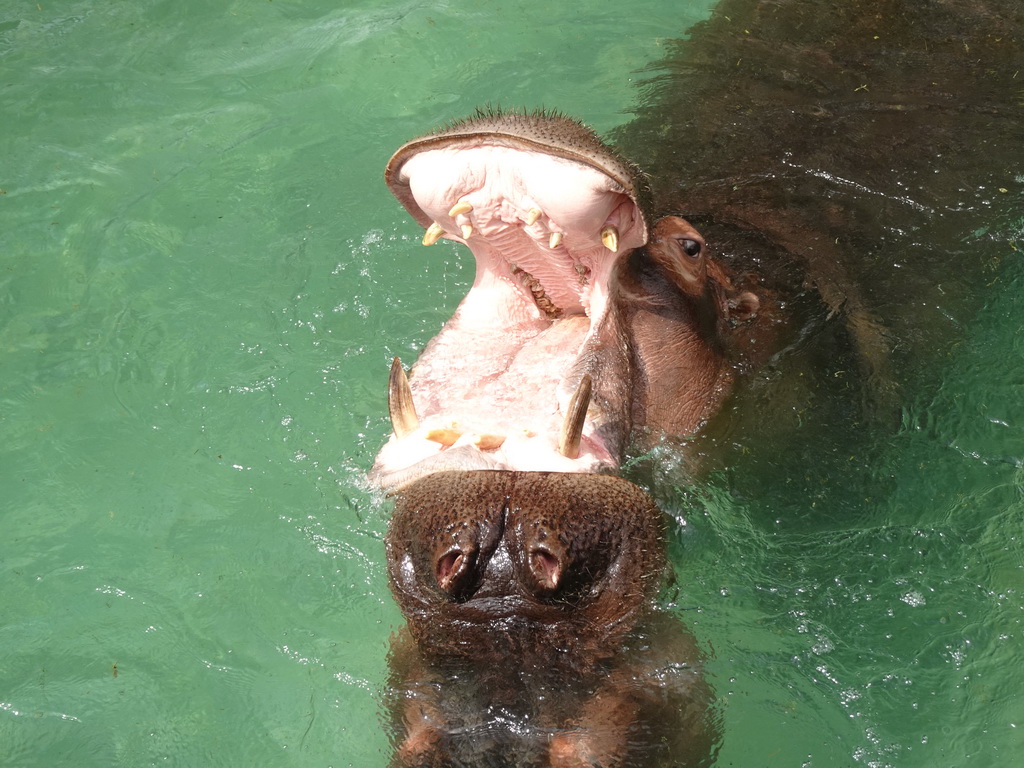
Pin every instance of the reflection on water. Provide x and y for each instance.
(203, 282)
(646, 706)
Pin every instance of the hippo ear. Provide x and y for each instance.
(744, 306)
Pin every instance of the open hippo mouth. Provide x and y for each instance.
(512, 381)
(581, 322)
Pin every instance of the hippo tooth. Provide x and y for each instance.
(404, 420)
(555, 240)
(489, 442)
(572, 427)
(433, 234)
(445, 437)
(467, 231)
(610, 238)
(463, 206)
(533, 216)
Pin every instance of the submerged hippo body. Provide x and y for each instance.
(532, 637)
(859, 157)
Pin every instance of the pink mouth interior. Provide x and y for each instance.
(492, 388)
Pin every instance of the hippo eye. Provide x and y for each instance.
(690, 246)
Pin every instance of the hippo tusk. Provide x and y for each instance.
(463, 206)
(433, 234)
(404, 420)
(533, 216)
(467, 231)
(572, 427)
(555, 240)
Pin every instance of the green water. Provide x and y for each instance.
(203, 283)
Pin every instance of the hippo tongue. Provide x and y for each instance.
(548, 211)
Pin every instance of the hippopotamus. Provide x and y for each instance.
(829, 153)
(527, 573)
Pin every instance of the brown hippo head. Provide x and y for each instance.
(574, 333)
(526, 573)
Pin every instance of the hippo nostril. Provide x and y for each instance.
(446, 569)
(545, 568)
(454, 572)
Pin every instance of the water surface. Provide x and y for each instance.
(203, 283)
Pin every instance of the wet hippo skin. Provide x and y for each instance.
(532, 635)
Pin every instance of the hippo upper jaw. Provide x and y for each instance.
(480, 559)
(549, 212)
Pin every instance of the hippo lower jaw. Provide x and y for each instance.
(527, 374)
